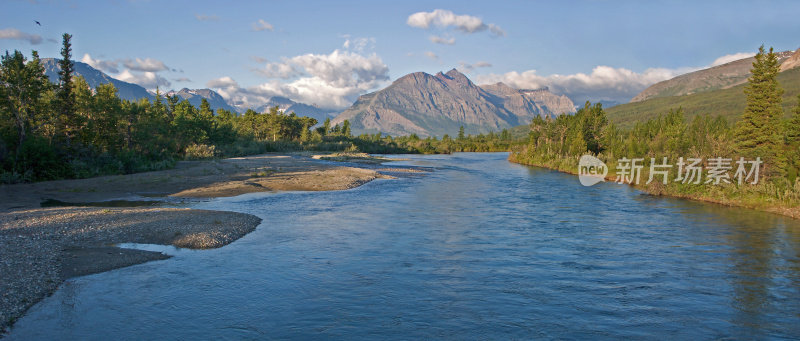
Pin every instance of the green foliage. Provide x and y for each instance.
(760, 131)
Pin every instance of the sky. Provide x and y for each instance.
(327, 53)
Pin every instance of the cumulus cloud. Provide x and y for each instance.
(222, 82)
(146, 65)
(444, 18)
(278, 70)
(464, 67)
(108, 66)
(139, 71)
(603, 83)
(442, 40)
(148, 80)
(358, 44)
(496, 30)
(204, 17)
(15, 34)
(328, 80)
(732, 57)
(431, 55)
(136, 64)
(262, 25)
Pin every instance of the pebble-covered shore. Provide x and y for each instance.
(40, 248)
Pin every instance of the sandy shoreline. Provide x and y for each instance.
(42, 247)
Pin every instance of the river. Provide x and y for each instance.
(479, 248)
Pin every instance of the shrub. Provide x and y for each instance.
(197, 151)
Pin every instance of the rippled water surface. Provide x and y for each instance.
(477, 249)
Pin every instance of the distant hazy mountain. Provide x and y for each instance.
(301, 109)
(719, 77)
(424, 104)
(94, 77)
(195, 96)
(728, 103)
(792, 62)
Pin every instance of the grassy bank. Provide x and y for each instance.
(763, 196)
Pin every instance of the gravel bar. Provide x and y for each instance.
(40, 248)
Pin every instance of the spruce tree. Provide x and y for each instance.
(760, 131)
(326, 126)
(793, 142)
(66, 101)
(346, 128)
(793, 127)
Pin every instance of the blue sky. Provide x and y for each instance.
(329, 52)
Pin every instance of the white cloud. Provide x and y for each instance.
(139, 71)
(603, 83)
(431, 55)
(328, 80)
(496, 30)
(442, 40)
(358, 44)
(278, 70)
(203, 17)
(13, 33)
(262, 25)
(146, 65)
(732, 57)
(445, 18)
(108, 66)
(222, 82)
(148, 80)
(137, 64)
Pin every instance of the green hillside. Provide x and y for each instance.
(728, 103)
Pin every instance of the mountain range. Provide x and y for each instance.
(94, 77)
(718, 77)
(195, 97)
(301, 109)
(134, 92)
(434, 105)
(728, 102)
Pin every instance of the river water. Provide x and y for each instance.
(479, 248)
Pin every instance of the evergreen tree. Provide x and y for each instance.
(760, 131)
(205, 109)
(593, 121)
(461, 133)
(346, 128)
(326, 126)
(793, 127)
(793, 142)
(66, 102)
